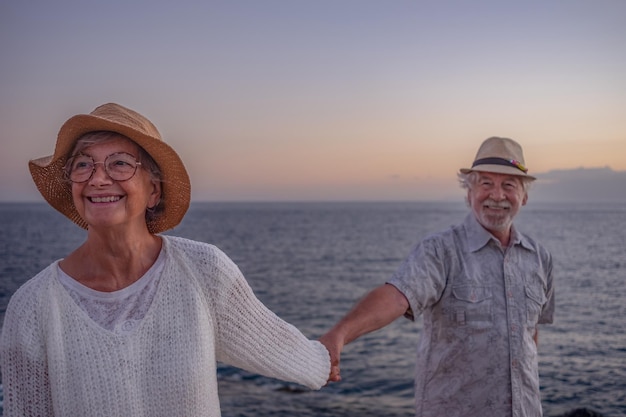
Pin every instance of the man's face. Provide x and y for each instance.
(496, 199)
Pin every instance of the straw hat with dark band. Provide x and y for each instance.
(48, 174)
(501, 156)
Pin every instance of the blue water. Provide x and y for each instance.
(310, 262)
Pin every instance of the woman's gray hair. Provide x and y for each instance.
(147, 163)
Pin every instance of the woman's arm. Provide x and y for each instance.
(22, 361)
(252, 337)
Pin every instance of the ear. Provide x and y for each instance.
(468, 197)
(525, 199)
(155, 195)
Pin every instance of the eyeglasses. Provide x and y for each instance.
(120, 166)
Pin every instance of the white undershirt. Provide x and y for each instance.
(118, 311)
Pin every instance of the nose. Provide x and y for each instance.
(497, 193)
(99, 175)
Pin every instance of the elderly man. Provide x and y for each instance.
(483, 287)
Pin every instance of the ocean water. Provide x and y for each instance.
(309, 262)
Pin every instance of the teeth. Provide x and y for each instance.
(109, 199)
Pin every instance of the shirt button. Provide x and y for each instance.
(128, 325)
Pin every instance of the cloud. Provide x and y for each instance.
(580, 184)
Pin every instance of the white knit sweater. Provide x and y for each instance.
(56, 361)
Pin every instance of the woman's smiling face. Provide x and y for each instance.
(104, 202)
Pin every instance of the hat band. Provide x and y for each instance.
(501, 161)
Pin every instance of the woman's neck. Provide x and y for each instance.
(109, 263)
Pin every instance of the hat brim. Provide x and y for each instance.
(47, 172)
(497, 169)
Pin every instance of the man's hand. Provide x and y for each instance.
(334, 344)
(377, 309)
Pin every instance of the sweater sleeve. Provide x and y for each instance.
(252, 337)
(22, 356)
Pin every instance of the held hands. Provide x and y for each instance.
(334, 344)
(377, 309)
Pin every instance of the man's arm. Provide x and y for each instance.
(377, 309)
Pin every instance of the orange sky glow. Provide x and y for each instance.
(353, 100)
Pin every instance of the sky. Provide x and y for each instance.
(323, 100)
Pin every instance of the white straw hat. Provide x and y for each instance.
(501, 156)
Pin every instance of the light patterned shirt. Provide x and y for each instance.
(481, 304)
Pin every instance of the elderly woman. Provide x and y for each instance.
(132, 322)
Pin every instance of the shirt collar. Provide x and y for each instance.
(478, 236)
(519, 239)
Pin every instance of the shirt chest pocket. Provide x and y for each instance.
(535, 299)
(471, 305)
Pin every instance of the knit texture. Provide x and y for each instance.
(56, 361)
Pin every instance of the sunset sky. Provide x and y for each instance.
(321, 100)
